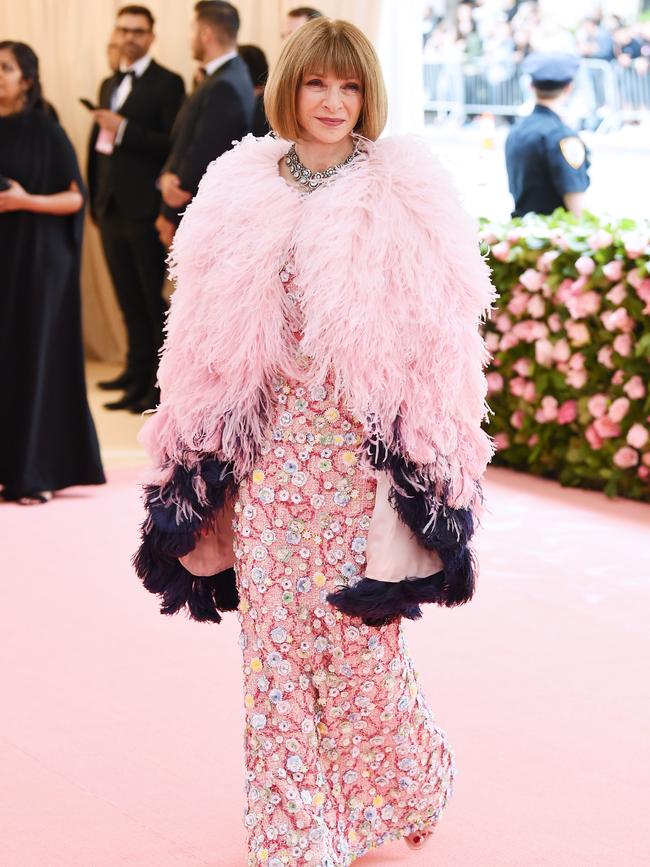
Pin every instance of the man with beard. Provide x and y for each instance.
(128, 146)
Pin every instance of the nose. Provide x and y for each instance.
(332, 99)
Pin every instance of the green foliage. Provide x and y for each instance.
(570, 345)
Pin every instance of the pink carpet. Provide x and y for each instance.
(121, 731)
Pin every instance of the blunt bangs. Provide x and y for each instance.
(325, 47)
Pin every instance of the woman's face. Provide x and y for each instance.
(13, 86)
(328, 107)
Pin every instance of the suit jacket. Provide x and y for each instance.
(127, 177)
(219, 112)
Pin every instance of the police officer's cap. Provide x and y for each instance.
(550, 70)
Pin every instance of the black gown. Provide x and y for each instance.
(47, 435)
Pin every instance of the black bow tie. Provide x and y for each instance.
(120, 76)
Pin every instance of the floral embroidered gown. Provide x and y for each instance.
(342, 752)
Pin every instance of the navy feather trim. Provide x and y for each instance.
(381, 602)
(177, 512)
(437, 526)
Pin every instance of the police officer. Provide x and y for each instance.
(546, 160)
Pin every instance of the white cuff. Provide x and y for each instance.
(119, 135)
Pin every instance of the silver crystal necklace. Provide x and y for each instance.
(308, 179)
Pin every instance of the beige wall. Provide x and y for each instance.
(69, 37)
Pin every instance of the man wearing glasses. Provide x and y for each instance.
(129, 144)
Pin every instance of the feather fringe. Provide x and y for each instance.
(184, 503)
(381, 602)
(422, 502)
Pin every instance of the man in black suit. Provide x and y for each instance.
(129, 144)
(217, 113)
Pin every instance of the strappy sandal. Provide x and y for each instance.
(35, 499)
(418, 839)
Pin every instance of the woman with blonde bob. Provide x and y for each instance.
(319, 447)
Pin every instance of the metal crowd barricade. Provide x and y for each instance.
(605, 94)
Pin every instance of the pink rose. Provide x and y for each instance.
(530, 392)
(578, 333)
(623, 345)
(515, 235)
(583, 305)
(544, 352)
(523, 366)
(643, 291)
(637, 436)
(492, 341)
(536, 307)
(618, 320)
(561, 350)
(501, 441)
(618, 378)
(626, 457)
(488, 237)
(576, 378)
(606, 428)
(568, 412)
(501, 251)
(599, 240)
(613, 270)
(592, 438)
(517, 419)
(530, 329)
(635, 245)
(533, 440)
(597, 405)
(646, 459)
(545, 261)
(634, 278)
(547, 411)
(532, 280)
(517, 385)
(577, 286)
(577, 361)
(518, 303)
(554, 322)
(508, 341)
(504, 323)
(585, 265)
(617, 294)
(564, 290)
(618, 409)
(634, 388)
(494, 383)
(643, 473)
(605, 357)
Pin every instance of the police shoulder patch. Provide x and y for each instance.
(573, 151)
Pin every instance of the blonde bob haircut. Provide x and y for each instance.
(325, 47)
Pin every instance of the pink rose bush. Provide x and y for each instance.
(570, 339)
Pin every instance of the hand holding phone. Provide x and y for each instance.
(88, 104)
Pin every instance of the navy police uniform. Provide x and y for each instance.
(545, 158)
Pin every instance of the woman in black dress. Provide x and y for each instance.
(47, 435)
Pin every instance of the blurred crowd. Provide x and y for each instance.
(506, 31)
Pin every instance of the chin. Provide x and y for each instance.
(330, 136)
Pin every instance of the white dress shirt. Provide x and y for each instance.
(125, 87)
(215, 64)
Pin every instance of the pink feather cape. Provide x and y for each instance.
(394, 289)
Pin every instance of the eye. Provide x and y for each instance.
(314, 82)
(353, 86)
